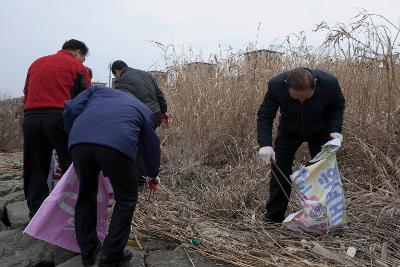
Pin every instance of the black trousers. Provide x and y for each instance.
(88, 160)
(42, 133)
(285, 148)
(157, 119)
(141, 167)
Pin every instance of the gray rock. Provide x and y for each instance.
(179, 258)
(17, 249)
(155, 244)
(176, 257)
(10, 198)
(3, 227)
(137, 260)
(201, 261)
(74, 262)
(9, 176)
(8, 187)
(62, 255)
(17, 213)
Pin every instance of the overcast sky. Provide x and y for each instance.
(123, 29)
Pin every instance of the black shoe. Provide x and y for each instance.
(273, 218)
(271, 222)
(91, 258)
(115, 261)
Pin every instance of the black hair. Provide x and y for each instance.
(118, 65)
(76, 45)
(300, 79)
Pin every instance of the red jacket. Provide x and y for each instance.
(50, 80)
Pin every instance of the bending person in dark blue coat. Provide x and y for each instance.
(311, 106)
(106, 126)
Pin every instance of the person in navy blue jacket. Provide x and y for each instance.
(106, 126)
(311, 106)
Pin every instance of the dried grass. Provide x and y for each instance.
(214, 189)
(10, 123)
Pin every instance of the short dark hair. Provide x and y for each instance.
(76, 45)
(118, 65)
(300, 79)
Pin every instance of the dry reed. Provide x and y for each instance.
(214, 189)
(10, 123)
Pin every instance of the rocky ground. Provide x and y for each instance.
(18, 249)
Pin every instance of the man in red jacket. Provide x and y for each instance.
(50, 81)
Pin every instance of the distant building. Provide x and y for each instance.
(262, 60)
(11, 108)
(262, 55)
(99, 84)
(160, 76)
(204, 68)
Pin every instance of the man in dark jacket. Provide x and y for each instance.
(146, 88)
(106, 128)
(50, 81)
(311, 108)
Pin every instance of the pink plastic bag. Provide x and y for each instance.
(55, 172)
(54, 221)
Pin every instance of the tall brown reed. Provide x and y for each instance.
(209, 167)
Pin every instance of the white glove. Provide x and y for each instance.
(266, 154)
(336, 135)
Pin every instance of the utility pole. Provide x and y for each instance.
(109, 75)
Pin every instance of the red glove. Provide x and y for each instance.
(153, 183)
(166, 118)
